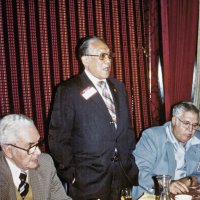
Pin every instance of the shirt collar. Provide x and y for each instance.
(94, 79)
(171, 136)
(15, 171)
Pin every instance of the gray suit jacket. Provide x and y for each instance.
(154, 155)
(44, 181)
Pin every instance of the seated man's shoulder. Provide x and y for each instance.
(197, 134)
(45, 159)
(46, 165)
(154, 134)
(155, 130)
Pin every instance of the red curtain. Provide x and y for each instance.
(37, 52)
(179, 21)
(154, 55)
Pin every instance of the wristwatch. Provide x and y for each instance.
(189, 178)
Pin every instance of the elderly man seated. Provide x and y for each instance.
(25, 172)
(172, 149)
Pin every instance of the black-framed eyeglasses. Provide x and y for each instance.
(103, 56)
(31, 149)
(187, 124)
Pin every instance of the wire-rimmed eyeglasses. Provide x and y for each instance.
(31, 149)
(103, 56)
(187, 124)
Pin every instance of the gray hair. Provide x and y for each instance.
(84, 48)
(181, 107)
(10, 126)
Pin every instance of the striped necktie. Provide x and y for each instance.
(23, 186)
(108, 100)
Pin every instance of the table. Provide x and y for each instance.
(194, 191)
(147, 196)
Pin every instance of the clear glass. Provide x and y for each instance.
(126, 194)
(164, 182)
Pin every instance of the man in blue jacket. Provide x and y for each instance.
(172, 149)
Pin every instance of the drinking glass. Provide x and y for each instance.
(164, 182)
(126, 194)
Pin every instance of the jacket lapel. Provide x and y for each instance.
(170, 152)
(96, 98)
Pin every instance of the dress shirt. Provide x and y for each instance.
(95, 81)
(15, 171)
(179, 151)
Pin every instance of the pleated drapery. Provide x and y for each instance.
(197, 76)
(37, 52)
(179, 39)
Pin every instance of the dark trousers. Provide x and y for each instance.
(116, 183)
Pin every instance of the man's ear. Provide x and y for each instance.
(173, 120)
(7, 150)
(84, 60)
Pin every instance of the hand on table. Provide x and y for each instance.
(178, 187)
(181, 185)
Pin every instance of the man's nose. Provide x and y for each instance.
(107, 59)
(37, 151)
(190, 127)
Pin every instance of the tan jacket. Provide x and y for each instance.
(45, 183)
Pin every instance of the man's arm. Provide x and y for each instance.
(56, 188)
(181, 185)
(60, 128)
(145, 156)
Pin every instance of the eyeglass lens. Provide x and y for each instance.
(32, 149)
(188, 125)
(103, 56)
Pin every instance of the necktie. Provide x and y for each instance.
(23, 186)
(108, 100)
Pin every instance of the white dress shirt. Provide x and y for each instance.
(15, 171)
(95, 81)
(179, 152)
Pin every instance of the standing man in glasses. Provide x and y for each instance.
(172, 149)
(90, 133)
(25, 173)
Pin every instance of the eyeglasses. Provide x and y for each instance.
(32, 149)
(187, 124)
(102, 56)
